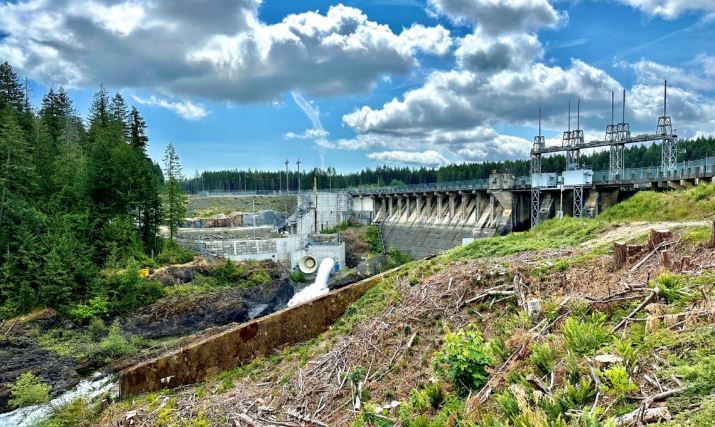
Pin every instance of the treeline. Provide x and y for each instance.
(252, 180)
(79, 201)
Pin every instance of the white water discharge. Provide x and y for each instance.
(31, 415)
(319, 287)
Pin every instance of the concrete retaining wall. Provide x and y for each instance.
(242, 343)
(423, 240)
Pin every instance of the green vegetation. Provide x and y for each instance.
(79, 202)
(464, 360)
(374, 239)
(298, 277)
(29, 390)
(694, 203)
(585, 337)
(77, 413)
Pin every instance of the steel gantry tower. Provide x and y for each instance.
(539, 144)
(618, 135)
(572, 141)
(669, 145)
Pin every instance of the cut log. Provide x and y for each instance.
(649, 415)
(666, 260)
(657, 237)
(712, 237)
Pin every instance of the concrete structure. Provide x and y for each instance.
(242, 343)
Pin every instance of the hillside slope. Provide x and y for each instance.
(533, 329)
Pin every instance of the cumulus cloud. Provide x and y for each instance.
(652, 73)
(208, 49)
(671, 9)
(185, 109)
(487, 53)
(499, 16)
(426, 158)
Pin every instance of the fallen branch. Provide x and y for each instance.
(647, 416)
(306, 419)
(646, 301)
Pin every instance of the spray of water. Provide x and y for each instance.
(319, 287)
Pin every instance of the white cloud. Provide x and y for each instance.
(482, 52)
(671, 9)
(426, 158)
(209, 49)
(652, 73)
(185, 109)
(500, 16)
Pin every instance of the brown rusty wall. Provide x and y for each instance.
(241, 343)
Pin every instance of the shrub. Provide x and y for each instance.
(97, 329)
(228, 273)
(463, 360)
(173, 253)
(98, 306)
(373, 239)
(625, 349)
(29, 390)
(669, 285)
(395, 258)
(127, 290)
(585, 337)
(259, 278)
(115, 344)
(543, 356)
(617, 381)
(298, 277)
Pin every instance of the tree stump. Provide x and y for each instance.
(666, 260)
(657, 237)
(712, 237)
(620, 255)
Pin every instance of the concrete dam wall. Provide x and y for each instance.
(242, 343)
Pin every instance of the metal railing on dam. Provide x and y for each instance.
(702, 168)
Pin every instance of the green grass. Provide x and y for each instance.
(694, 203)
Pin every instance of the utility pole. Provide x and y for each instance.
(287, 181)
(298, 163)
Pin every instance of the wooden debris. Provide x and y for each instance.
(602, 361)
(649, 415)
(657, 237)
(646, 301)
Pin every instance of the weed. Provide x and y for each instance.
(29, 390)
(115, 345)
(543, 356)
(463, 360)
(584, 337)
(77, 413)
(625, 349)
(298, 277)
(617, 382)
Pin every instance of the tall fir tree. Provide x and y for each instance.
(138, 137)
(174, 197)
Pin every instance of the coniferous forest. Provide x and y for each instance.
(636, 156)
(80, 203)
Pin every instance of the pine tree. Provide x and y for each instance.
(138, 136)
(11, 91)
(99, 110)
(119, 114)
(174, 197)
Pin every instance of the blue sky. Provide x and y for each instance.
(248, 84)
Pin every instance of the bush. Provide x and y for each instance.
(29, 390)
(298, 277)
(259, 278)
(617, 382)
(98, 306)
(395, 258)
(585, 337)
(463, 360)
(114, 344)
(97, 329)
(228, 273)
(173, 253)
(127, 290)
(373, 239)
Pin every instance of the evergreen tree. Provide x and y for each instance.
(11, 91)
(174, 196)
(138, 137)
(119, 114)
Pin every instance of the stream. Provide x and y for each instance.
(88, 389)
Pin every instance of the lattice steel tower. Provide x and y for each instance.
(573, 140)
(669, 160)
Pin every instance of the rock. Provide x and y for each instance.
(605, 360)
(533, 308)
(344, 278)
(20, 355)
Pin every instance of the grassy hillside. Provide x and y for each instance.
(446, 341)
